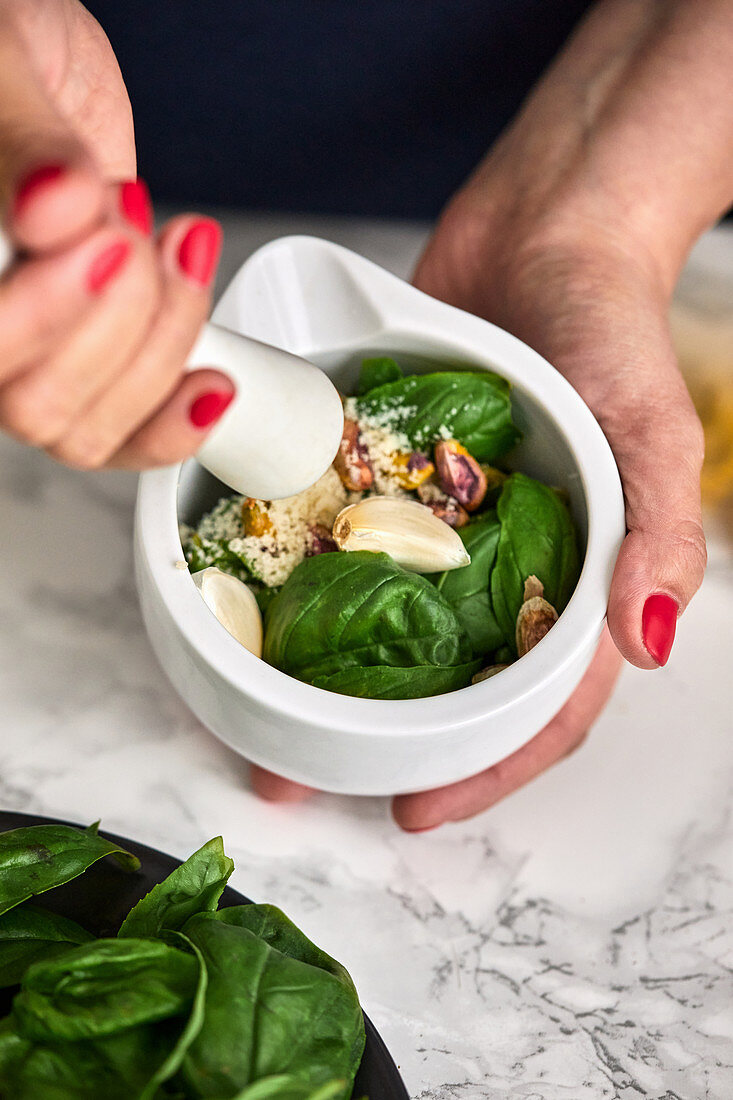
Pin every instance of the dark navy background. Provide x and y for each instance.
(375, 107)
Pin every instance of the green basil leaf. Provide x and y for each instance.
(473, 407)
(270, 924)
(193, 887)
(265, 596)
(118, 1067)
(537, 538)
(354, 611)
(383, 682)
(131, 1063)
(376, 372)
(467, 589)
(40, 857)
(268, 1014)
(194, 1023)
(29, 934)
(284, 1087)
(104, 987)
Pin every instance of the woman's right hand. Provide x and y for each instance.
(96, 315)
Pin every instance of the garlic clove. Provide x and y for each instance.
(408, 531)
(233, 604)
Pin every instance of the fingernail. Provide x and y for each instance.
(106, 265)
(136, 206)
(422, 829)
(199, 251)
(34, 182)
(658, 625)
(208, 408)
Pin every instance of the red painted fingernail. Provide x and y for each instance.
(34, 182)
(208, 408)
(106, 266)
(658, 625)
(136, 206)
(199, 251)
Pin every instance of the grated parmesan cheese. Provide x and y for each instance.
(383, 442)
(274, 555)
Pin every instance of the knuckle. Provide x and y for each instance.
(81, 452)
(34, 417)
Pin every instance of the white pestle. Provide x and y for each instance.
(283, 428)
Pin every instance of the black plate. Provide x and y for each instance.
(102, 897)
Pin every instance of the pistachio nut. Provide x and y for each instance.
(233, 604)
(536, 616)
(460, 474)
(320, 540)
(352, 463)
(487, 673)
(412, 469)
(404, 529)
(449, 511)
(255, 520)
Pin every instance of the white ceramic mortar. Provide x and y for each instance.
(327, 304)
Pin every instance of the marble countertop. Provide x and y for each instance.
(575, 941)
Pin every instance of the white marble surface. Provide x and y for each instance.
(576, 941)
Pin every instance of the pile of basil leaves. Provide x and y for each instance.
(188, 1000)
(359, 624)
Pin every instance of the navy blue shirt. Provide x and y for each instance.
(373, 107)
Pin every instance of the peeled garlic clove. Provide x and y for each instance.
(536, 616)
(234, 605)
(404, 529)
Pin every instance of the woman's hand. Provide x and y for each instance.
(96, 316)
(571, 235)
(599, 315)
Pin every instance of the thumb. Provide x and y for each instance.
(658, 443)
(51, 191)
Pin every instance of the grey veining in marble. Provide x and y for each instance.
(575, 942)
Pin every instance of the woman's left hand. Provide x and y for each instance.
(599, 314)
(571, 235)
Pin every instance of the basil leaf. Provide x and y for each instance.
(383, 682)
(29, 934)
(134, 1062)
(357, 611)
(284, 1087)
(104, 987)
(40, 857)
(265, 596)
(270, 924)
(473, 407)
(193, 1026)
(467, 589)
(191, 888)
(118, 1067)
(537, 537)
(376, 372)
(268, 1013)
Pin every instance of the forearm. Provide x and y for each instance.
(629, 136)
